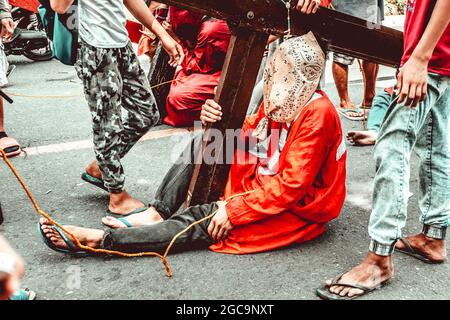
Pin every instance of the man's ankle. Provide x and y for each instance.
(383, 263)
(116, 197)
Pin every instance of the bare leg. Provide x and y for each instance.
(118, 202)
(370, 71)
(340, 75)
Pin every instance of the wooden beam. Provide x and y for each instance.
(233, 94)
(162, 73)
(343, 33)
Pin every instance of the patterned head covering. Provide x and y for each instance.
(290, 79)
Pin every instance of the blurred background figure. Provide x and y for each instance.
(11, 272)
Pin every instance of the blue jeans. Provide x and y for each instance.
(378, 111)
(425, 129)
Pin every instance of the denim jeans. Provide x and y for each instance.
(378, 111)
(425, 129)
(169, 198)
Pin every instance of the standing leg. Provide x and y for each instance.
(370, 71)
(400, 132)
(340, 75)
(101, 75)
(434, 177)
(138, 101)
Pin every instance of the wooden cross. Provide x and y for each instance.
(252, 21)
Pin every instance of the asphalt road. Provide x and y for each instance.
(50, 110)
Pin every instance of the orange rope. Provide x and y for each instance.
(80, 246)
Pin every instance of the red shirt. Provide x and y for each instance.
(294, 205)
(418, 14)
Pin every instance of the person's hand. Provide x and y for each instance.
(10, 283)
(220, 225)
(211, 112)
(168, 27)
(308, 6)
(8, 27)
(412, 82)
(174, 50)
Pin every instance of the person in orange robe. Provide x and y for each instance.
(286, 184)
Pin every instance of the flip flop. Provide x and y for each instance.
(125, 222)
(23, 295)
(94, 181)
(410, 251)
(118, 215)
(73, 250)
(345, 112)
(325, 294)
(9, 145)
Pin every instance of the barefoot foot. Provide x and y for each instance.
(145, 218)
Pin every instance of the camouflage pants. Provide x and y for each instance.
(121, 103)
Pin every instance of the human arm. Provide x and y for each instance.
(413, 76)
(142, 13)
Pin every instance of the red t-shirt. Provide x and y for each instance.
(418, 14)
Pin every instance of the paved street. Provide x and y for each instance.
(49, 110)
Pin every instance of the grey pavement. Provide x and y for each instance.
(44, 117)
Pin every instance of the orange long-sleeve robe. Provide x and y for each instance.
(308, 191)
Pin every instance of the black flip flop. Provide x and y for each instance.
(325, 294)
(94, 181)
(410, 251)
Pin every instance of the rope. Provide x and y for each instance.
(80, 246)
(16, 94)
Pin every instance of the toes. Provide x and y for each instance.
(112, 222)
(354, 292)
(344, 292)
(336, 289)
